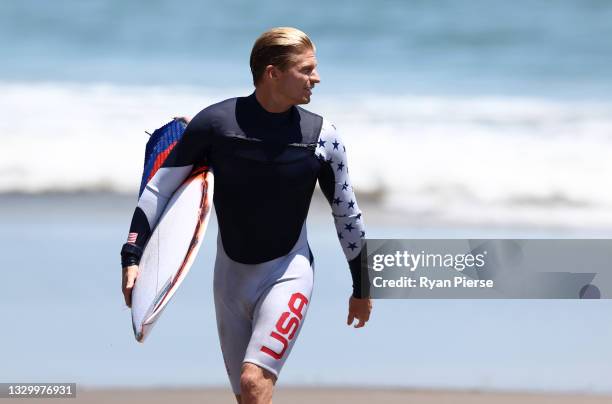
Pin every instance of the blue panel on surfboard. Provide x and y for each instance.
(158, 148)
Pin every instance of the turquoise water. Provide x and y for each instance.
(520, 47)
(64, 320)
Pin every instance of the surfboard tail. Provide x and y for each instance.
(158, 148)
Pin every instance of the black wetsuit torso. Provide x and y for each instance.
(266, 166)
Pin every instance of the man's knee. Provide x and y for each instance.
(250, 382)
(255, 380)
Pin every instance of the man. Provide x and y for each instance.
(266, 154)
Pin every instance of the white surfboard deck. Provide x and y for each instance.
(171, 250)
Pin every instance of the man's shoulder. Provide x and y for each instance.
(331, 143)
(311, 124)
(212, 117)
(308, 114)
(219, 109)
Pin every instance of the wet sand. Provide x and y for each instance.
(329, 395)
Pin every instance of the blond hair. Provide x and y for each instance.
(277, 47)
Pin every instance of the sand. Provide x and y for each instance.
(327, 395)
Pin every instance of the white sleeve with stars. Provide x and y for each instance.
(336, 186)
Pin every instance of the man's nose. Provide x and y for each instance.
(314, 76)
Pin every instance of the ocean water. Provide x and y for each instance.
(526, 46)
(462, 119)
(477, 112)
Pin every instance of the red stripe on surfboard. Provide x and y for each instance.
(202, 211)
(159, 161)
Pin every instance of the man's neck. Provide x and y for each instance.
(269, 102)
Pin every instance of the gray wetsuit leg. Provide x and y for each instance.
(260, 308)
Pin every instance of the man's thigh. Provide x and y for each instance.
(279, 316)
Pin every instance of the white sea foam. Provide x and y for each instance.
(455, 159)
(484, 160)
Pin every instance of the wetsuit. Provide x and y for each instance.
(266, 166)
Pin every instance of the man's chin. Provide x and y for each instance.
(302, 100)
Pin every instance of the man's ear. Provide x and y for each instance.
(271, 72)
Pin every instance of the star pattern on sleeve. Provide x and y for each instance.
(331, 151)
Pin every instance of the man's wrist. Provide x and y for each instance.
(130, 255)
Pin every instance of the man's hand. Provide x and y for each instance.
(127, 283)
(185, 119)
(359, 309)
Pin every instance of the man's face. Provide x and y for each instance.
(296, 83)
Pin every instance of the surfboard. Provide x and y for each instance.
(171, 250)
(175, 240)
